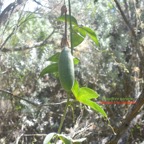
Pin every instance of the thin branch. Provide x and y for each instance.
(65, 101)
(64, 115)
(126, 8)
(42, 43)
(9, 36)
(33, 135)
(13, 30)
(9, 10)
(35, 104)
(15, 96)
(130, 116)
(125, 19)
(37, 2)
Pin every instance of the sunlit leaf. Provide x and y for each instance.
(87, 93)
(77, 38)
(76, 61)
(91, 34)
(65, 139)
(84, 95)
(80, 30)
(78, 35)
(50, 69)
(73, 19)
(48, 138)
(69, 140)
(75, 88)
(93, 105)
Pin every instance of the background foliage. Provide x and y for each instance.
(31, 106)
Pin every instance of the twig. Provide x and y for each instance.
(9, 36)
(7, 12)
(35, 104)
(14, 29)
(64, 115)
(124, 18)
(29, 47)
(31, 135)
(40, 4)
(14, 96)
(65, 101)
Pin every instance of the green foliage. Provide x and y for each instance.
(73, 19)
(76, 61)
(65, 139)
(91, 34)
(14, 40)
(84, 95)
(55, 57)
(79, 32)
(52, 68)
(77, 38)
(106, 65)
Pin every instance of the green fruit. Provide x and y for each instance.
(66, 69)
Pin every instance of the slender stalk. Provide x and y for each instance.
(71, 39)
(64, 115)
(65, 26)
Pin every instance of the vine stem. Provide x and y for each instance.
(64, 115)
(71, 39)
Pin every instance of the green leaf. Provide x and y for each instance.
(87, 93)
(93, 105)
(48, 138)
(75, 89)
(50, 69)
(91, 34)
(65, 139)
(76, 61)
(77, 38)
(84, 95)
(55, 57)
(73, 19)
(80, 30)
(69, 140)
(78, 35)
